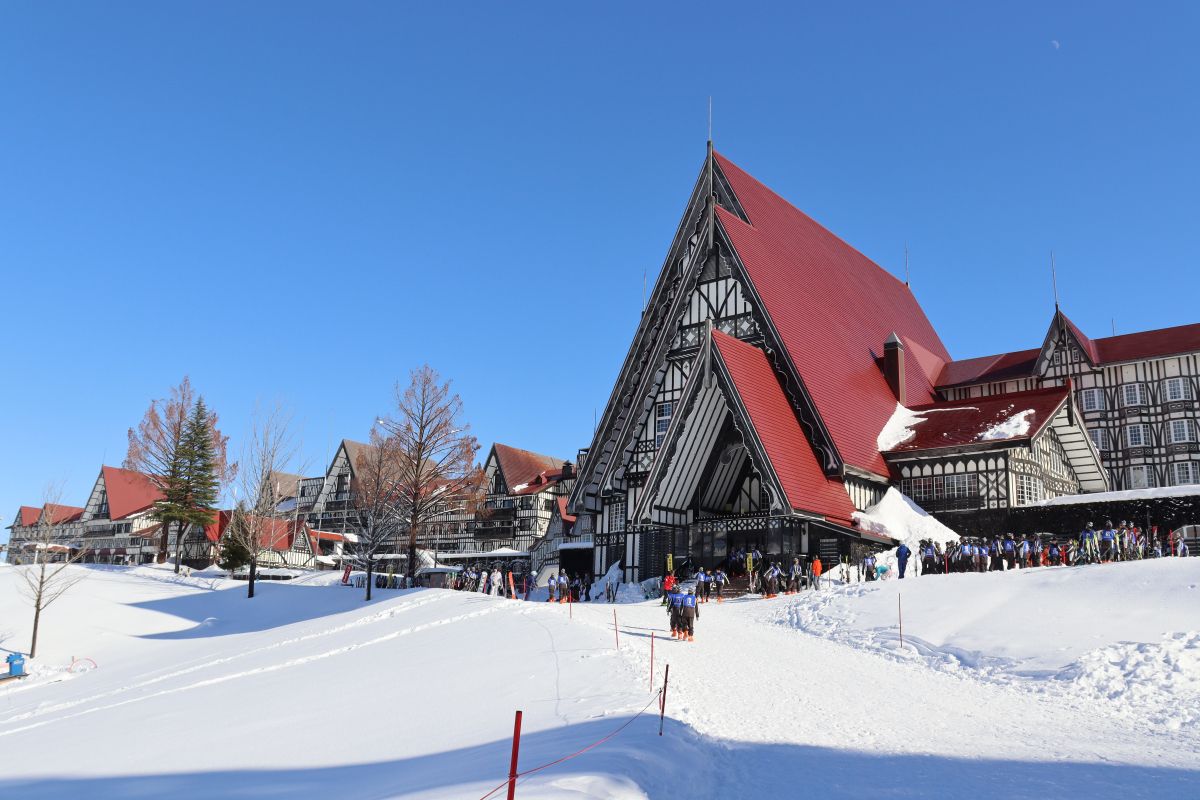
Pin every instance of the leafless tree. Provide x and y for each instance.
(49, 576)
(373, 498)
(436, 469)
(155, 447)
(270, 450)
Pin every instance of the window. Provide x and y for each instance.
(1133, 394)
(1029, 490)
(1137, 436)
(941, 487)
(1099, 438)
(1091, 399)
(1181, 430)
(1176, 389)
(1186, 472)
(662, 421)
(616, 515)
(1141, 477)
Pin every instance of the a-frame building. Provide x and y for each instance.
(748, 412)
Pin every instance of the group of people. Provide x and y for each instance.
(477, 578)
(1122, 542)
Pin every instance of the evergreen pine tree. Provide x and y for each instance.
(197, 489)
(234, 554)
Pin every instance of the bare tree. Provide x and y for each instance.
(157, 448)
(48, 577)
(373, 497)
(270, 450)
(436, 464)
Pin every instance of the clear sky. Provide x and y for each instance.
(299, 202)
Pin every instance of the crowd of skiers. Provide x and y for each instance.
(494, 582)
(1123, 542)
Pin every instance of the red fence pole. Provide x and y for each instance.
(615, 632)
(512, 769)
(662, 706)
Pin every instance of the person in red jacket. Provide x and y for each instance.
(668, 585)
(816, 572)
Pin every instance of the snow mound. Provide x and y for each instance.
(1010, 428)
(897, 516)
(899, 428)
(1161, 679)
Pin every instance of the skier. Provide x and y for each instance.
(563, 588)
(701, 582)
(927, 556)
(668, 587)
(497, 581)
(816, 572)
(718, 580)
(675, 612)
(868, 567)
(1055, 554)
(774, 574)
(689, 612)
(902, 554)
(1010, 551)
(550, 586)
(1108, 538)
(795, 575)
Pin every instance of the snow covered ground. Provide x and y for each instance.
(1051, 683)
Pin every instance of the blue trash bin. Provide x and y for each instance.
(16, 665)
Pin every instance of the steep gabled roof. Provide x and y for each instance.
(773, 422)
(355, 450)
(28, 516)
(129, 492)
(276, 534)
(522, 468)
(983, 421)
(833, 308)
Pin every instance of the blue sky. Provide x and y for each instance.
(299, 202)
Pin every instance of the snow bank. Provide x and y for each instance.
(1010, 428)
(897, 516)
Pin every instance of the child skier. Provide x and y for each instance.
(689, 612)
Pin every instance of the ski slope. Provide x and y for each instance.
(307, 691)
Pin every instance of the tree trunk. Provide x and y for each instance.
(179, 545)
(253, 572)
(412, 550)
(161, 558)
(370, 576)
(37, 617)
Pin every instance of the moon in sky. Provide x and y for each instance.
(1055, 43)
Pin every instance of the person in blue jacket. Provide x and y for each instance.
(902, 554)
(674, 611)
(689, 613)
(1108, 538)
(1009, 546)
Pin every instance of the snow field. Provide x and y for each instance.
(307, 691)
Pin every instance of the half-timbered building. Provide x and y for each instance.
(29, 539)
(768, 360)
(118, 519)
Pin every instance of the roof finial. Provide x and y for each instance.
(906, 264)
(1054, 280)
(710, 121)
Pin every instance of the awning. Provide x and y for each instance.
(503, 552)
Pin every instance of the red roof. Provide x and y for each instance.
(276, 534)
(524, 467)
(774, 422)
(965, 422)
(129, 492)
(28, 516)
(833, 308)
(1109, 350)
(562, 510)
(60, 515)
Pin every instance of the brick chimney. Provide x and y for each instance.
(893, 365)
(568, 471)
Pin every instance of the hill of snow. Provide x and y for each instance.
(1052, 683)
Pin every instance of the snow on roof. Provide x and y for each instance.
(899, 428)
(898, 517)
(1127, 494)
(1016, 425)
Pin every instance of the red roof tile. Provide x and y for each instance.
(276, 534)
(28, 516)
(833, 308)
(562, 510)
(60, 515)
(1089, 347)
(129, 492)
(965, 422)
(775, 424)
(522, 467)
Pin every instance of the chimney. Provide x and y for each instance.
(568, 471)
(893, 365)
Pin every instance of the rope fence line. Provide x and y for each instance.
(520, 776)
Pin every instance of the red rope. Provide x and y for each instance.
(577, 753)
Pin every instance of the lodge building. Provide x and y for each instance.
(758, 402)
